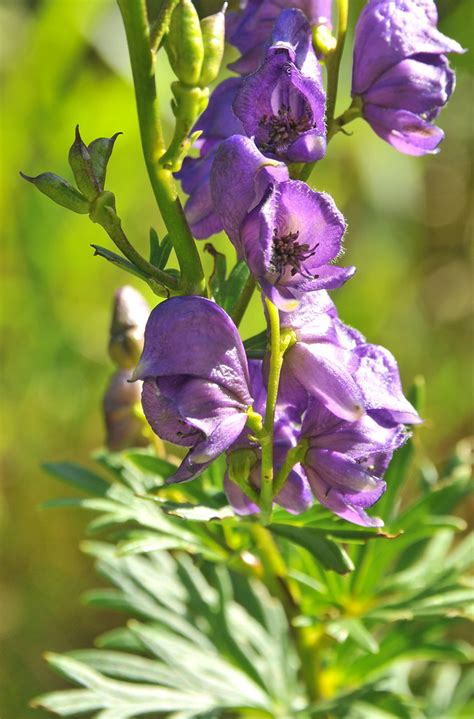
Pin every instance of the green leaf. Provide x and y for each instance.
(119, 261)
(328, 553)
(340, 629)
(159, 252)
(256, 346)
(78, 477)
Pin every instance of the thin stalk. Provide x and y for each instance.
(334, 61)
(333, 64)
(112, 225)
(164, 187)
(243, 301)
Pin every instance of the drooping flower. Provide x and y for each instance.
(195, 379)
(336, 365)
(216, 123)
(282, 104)
(401, 73)
(345, 461)
(251, 28)
(289, 240)
(240, 177)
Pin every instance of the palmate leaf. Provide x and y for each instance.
(178, 666)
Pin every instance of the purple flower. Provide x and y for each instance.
(289, 240)
(345, 461)
(216, 123)
(401, 73)
(251, 29)
(240, 177)
(195, 379)
(282, 104)
(335, 364)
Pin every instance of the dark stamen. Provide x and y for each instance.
(283, 129)
(288, 252)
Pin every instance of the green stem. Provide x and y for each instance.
(243, 301)
(334, 61)
(333, 64)
(160, 26)
(276, 361)
(117, 235)
(164, 188)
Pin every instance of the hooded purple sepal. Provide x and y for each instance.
(345, 462)
(289, 241)
(401, 73)
(196, 380)
(240, 177)
(251, 29)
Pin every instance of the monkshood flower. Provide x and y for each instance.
(195, 379)
(282, 104)
(289, 241)
(336, 365)
(216, 123)
(401, 74)
(295, 495)
(251, 29)
(345, 461)
(240, 178)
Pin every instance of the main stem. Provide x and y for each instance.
(276, 361)
(164, 187)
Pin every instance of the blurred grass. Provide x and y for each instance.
(64, 62)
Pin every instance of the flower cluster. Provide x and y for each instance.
(321, 412)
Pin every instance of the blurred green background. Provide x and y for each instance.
(64, 62)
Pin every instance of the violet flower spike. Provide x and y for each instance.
(250, 30)
(345, 462)
(289, 241)
(282, 105)
(195, 380)
(401, 73)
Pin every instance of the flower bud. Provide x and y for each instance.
(130, 314)
(89, 164)
(59, 190)
(125, 427)
(188, 104)
(184, 43)
(213, 37)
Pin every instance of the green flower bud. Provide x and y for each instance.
(127, 330)
(240, 463)
(59, 190)
(324, 41)
(89, 164)
(184, 43)
(213, 37)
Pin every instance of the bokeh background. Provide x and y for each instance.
(65, 62)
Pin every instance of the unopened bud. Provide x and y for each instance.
(323, 40)
(125, 427)
(127, 330)
(59, 190)
(213, 37)
(184, 43)
(89, 163)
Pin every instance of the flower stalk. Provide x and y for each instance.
(164, 187)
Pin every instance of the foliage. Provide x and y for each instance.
(212, 634)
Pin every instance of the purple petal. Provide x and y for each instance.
(295, 496)
(239, 501)
(378, 376)
(240, 175)
(405, 131)
(322, 373)
(193, 336)
(388, 32)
